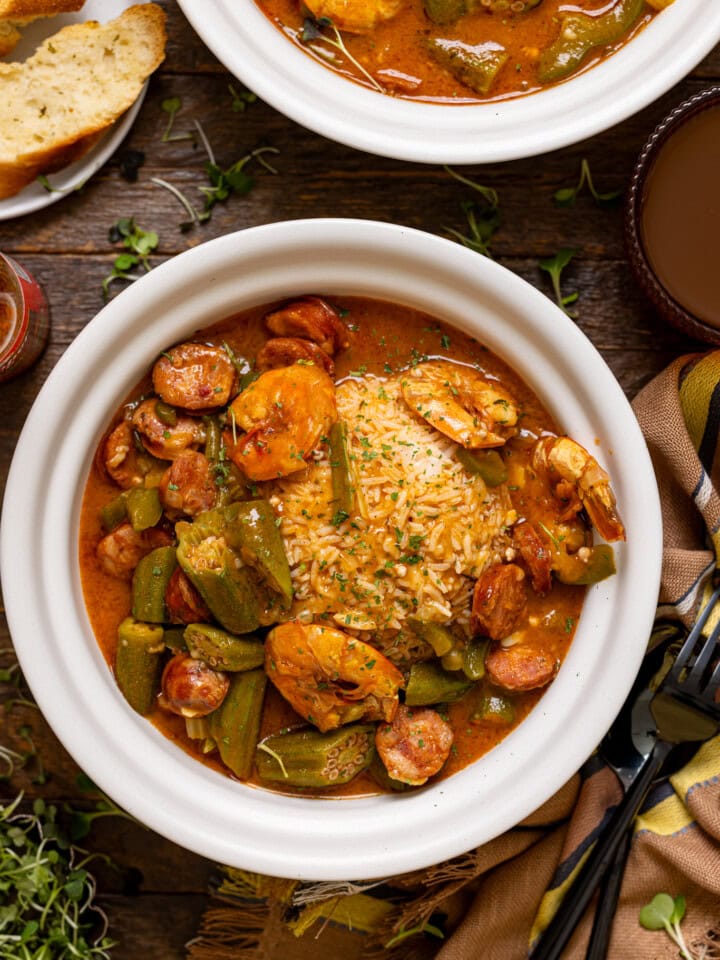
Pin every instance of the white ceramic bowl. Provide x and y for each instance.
(243, 38)
(124, 754)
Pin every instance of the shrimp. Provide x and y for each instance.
(578, 478)
(121, 550)
(310, 318)
(284, 412)
(163, 440)
(194, 376)
(121, 458)
(285, 351)
(187, 486)
(460, 403)
(355, 16)
(330, 678)
(415, 745)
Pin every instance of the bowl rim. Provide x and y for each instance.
(670, 308)
(126, 756)
(288, 79)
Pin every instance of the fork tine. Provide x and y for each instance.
(712, 688)
(694, 678)
(690, 641)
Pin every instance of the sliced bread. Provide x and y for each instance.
(56, 105)
(15, 14)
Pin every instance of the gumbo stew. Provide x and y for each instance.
(459, 51)
(338, 547)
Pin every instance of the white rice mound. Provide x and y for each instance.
(423, 530)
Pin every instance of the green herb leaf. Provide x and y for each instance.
(555, 266)
(566, 196)
(483, 219)
(656, 914)
(171, 106)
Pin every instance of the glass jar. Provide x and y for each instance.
(24, 318)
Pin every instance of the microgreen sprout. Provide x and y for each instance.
(194, 216)
(555, 266)
(483, 219)
(48, 907)
(171, 106)
(566, 196)
(665, 913)
(240, 98)
(139, 244)
(312, 34)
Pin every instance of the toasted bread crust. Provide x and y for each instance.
(47, 132)
(20, 9)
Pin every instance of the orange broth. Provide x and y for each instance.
(385, 337)
(395, 52)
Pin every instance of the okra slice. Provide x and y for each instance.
(308, 758)
(474, 658)
(341, 472)
(476, 66)
(235, 725)
(115, 512)
(143, 506)
(487, 463)
(437, 635)
(138, 663)
(255, 534)
(428, 683)
(221, 650)
(149, 583)
(174, 638)
(444, 11)
(580, 33)
(212, 566)
(494, 708)
(597, 565)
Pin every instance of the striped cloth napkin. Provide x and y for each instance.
(493, 902)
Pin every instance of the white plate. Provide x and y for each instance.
(35, 196)
(152, 777)
(243, 38)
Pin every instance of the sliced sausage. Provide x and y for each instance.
(312, 319)
(184, 603)
(524, 666)
(285, 351)
(194, 376)
(187, 486)
(499, 598)
(534, 555)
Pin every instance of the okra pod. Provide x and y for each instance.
(487, 463)
(437, 635)
(596, 565)
(149, 583)
(476, 66)
(474, 658)
(143, 506)
(114, 513)
(341, 472)
(308, 758)
(138, 663)
(428, 683)
(212, 566)
(580, 33)
(444, 11)
(494, 708)
(174, 639)
(213, 439)
(235, 725)
(221, 650)
(166, 413)
(255, 534)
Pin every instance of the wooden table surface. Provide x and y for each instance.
(155, 901)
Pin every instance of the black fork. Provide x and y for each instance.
(684, 709)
